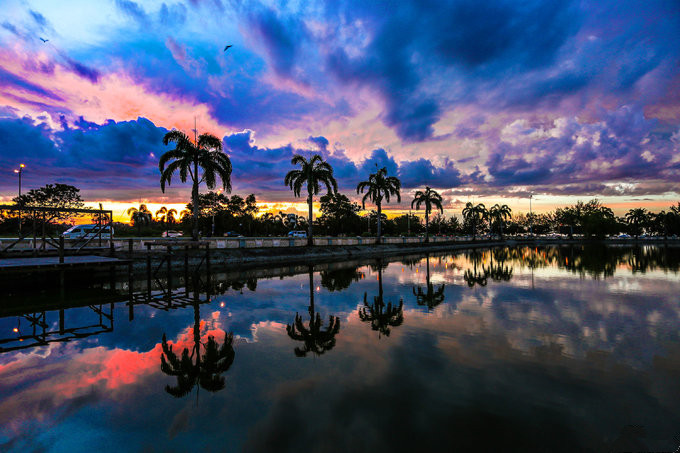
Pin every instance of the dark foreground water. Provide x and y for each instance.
(548, 349)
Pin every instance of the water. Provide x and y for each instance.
(527, 349)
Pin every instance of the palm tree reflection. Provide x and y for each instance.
(314, 338)
(381, 316)
(474, 276)
(430, 297)
(192, 368)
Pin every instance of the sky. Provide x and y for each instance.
(484, 101)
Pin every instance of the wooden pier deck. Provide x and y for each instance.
(52, 262)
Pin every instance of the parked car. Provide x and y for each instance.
(297, 234)
(172, 234)
(90, 230)
(232, 234)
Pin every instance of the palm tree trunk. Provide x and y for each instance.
(310, 238)
(194, 199)
(379, 223)
(501, 223)
(427, 226)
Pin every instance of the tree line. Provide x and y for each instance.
(214, 213)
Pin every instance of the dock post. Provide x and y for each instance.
(61, 249)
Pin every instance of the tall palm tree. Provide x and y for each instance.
(187, 157)
(430, 297)
(139, 216)
(637, 218)
(313, 173)
(314, 338)
(429, 198)
(475, 214)
(381, 316)
(500, 213)
(378, 187)
(195, 369)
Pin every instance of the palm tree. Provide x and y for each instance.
(430, 297)
(206, 371)
(381, 316)
(170, 216)
(314, 338)
(313, 173)
(139, 216)
(474, 214)
(474, 277)
(499, 213)
(184, 213)
(187, 157)
(378, 187)
(429, 198)
(637, 218)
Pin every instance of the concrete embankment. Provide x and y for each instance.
(258, 257)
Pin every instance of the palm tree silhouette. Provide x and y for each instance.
(195, 369)
(474, 214)
(499, 271)
(499, 213)
(474, 277)
(429, 198)
(378, 187)
(313, 173)
(139, 216)
(187, 157)
(381, 316)
(430, 297)
(637, 218)
(314, 338)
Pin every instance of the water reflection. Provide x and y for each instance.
(580, 361)
(430, 297)
(193, 369)
(314, 338)
(381, 316)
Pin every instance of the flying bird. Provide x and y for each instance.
(225, 49)
(44, 40)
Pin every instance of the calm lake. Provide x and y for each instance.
(550, 349)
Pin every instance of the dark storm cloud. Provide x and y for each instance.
(110, 156)
(266, 167)
(425, 58)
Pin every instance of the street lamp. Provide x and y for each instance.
(531, 217)
(19, 172)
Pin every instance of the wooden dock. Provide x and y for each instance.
(53, 262)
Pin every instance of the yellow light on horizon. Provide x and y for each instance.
(22, 165)
(15, 330)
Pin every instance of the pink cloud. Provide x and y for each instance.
(115, 96)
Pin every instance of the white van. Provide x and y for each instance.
(297, 234)
(91, 230)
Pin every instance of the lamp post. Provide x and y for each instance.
(531, 217)
(19, 172)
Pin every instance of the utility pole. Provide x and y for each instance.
(409, 222)
(531, 217)
(19, 172)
